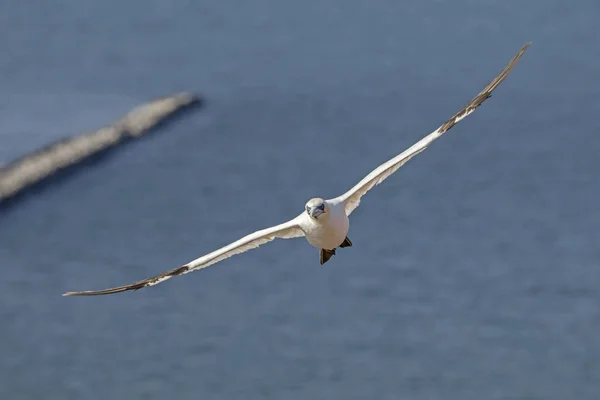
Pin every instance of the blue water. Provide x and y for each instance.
(475, 269)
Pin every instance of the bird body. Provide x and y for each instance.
(324, 223)
(329, 229)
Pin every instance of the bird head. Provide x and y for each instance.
(316, 207)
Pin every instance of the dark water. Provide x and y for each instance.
(474, 272)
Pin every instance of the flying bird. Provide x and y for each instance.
(324, 223)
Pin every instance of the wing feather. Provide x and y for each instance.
(351, 198)
(287, 230)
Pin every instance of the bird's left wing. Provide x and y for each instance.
(287, 230)
(351, 198)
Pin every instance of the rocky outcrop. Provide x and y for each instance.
(34, 168)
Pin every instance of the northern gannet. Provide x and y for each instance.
(324, 223)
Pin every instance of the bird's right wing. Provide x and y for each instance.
(351, 198)
(287, 230)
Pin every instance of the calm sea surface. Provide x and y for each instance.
(475, 270)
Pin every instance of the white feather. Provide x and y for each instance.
(352, 197)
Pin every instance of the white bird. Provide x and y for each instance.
(324, 223)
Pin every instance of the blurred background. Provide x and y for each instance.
(474, 272)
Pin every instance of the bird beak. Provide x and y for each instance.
(315, 212)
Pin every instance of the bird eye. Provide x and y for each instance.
(322, 206)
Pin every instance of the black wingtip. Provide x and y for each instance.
(134, 286)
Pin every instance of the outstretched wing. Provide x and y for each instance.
(351, 198)
(288, 230)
